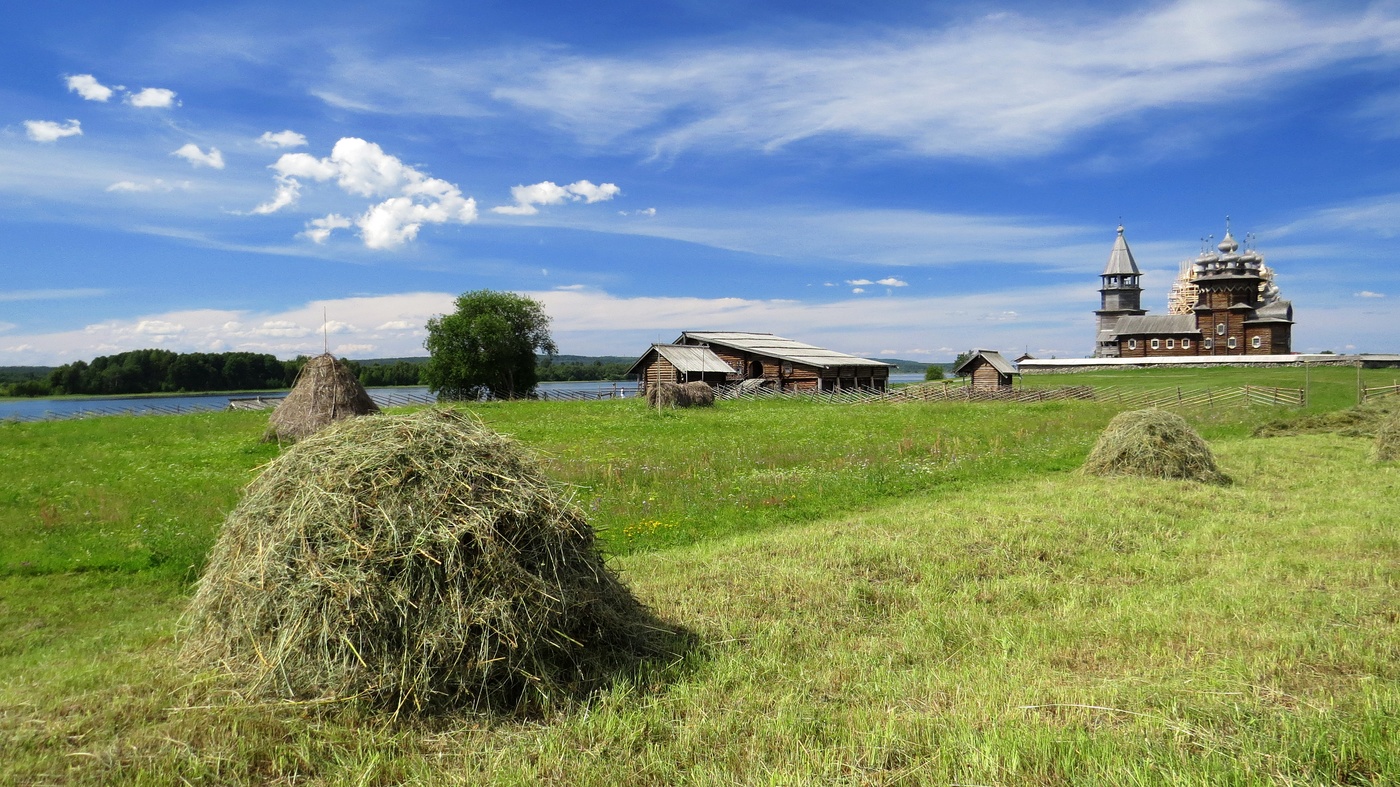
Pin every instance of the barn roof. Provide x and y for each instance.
(990, 356)
(778, 347)
(686, 358)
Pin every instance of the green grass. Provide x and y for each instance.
(1328, 387)
(913, 594)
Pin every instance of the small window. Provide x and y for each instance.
(1156, 344)
(1209, 343)
(1186, 344)
(1230, 342)
(1132, 344)
(1256, 342)
(1220, 329)
(1171, 344)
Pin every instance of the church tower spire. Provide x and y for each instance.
(1120, 295)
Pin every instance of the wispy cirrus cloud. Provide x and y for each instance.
(1001, 85)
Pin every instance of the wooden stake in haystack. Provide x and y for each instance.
(325, 392)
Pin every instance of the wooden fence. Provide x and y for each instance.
(1128, 397)
(1378, 391)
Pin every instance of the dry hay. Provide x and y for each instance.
(700, 394)
(693, 394)
(1363, 420)
(325, 391)
(1387, 445)
(417, 562)
(1153, 443)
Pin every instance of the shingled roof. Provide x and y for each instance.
(686, 358)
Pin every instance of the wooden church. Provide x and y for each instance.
(1225, 302)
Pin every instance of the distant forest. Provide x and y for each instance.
(163, 371)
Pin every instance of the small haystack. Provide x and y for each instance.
(325, 391)
(1387, 445)
(1153, 444)
(693, 394)
(417, 562)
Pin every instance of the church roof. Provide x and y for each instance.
(1278, 311)
(1120, 260)
(1140, 325)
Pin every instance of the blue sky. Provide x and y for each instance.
(887, 179)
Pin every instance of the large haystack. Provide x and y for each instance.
(417, 562)
(1387, 445)
(1153, 444)
(692, 394)
(326, 391)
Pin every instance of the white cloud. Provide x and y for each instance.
(1369, 294)
(859, 282)
(648, 212)
(87, 86)
(282, 139)
(318, 230)
(1010, 84)
(190, 152)
(7, 326)
(152, 98)
(548, 193)
(892, 282)
(362, 168)
(49, 131)
(857, 290)
(155, 185)
(288, 189)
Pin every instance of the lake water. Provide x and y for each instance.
(46, 409)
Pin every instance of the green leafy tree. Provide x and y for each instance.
(487, 346)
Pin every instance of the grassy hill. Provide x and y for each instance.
(921, 594)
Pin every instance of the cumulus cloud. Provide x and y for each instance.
(548, 193)
(362, 168)
(190, 152)
(282, 139)
(288, 189)
(892, 282)
(1369, 294)
(49, 131)
(648, 212)
(87, 86)
(857, 290)
(152, 98)
(859, 282)
(318, 230)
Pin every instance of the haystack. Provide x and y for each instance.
(416, 562)
(325, 391)
(1153, 443)
(692, 394)
(1387, 445)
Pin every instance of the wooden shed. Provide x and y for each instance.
(789, 365)
(987, 371)
(681, 363)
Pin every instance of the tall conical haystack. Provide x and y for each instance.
(1153, 443)
(325, 391)
(416, 562)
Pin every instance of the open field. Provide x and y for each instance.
(911, 594)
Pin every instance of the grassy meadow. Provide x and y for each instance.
(883, 594)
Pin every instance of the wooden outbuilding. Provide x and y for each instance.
(680, 363)
(761, 359)
(986, 370)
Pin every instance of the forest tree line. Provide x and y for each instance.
(164, 371)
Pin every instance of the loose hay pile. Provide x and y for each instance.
(1387, 446)
(1153, 444)
(326, 391)
(694, 394)
(418, 562)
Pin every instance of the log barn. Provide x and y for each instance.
(764, 359)
(987, 371)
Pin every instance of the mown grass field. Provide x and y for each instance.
(909, 594)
